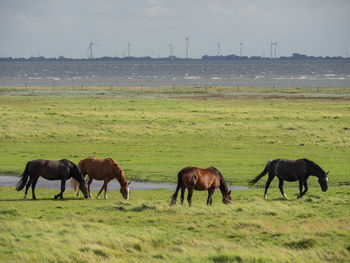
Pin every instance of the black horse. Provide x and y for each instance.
(50, 170)
(298, 170)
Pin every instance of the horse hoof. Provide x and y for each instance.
(56, 196)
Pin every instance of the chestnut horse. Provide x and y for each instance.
(298, 170)
(194, 178)
(50, 170)
(103, 169)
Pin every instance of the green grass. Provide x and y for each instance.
(153, 138)
(315, 228)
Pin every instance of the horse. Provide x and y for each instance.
(50, 170)
(194, 178)
(102, 169)
(291, 171)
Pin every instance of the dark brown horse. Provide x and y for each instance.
(50, 170)
(194, 178)
(106, 170)
(298, 170)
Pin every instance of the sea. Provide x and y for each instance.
(260, 73)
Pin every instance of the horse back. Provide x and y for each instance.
(97, 168)
(199, 178)
(50, 170)
(289, 170)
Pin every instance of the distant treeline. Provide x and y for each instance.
(232, 57)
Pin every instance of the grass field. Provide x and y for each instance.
(315, 228)
(153, 136)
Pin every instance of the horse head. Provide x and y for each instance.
(83, 188)
(323, 181)
(124, 190)
(226, 199)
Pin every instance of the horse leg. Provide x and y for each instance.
(182, 194)
(189, 196)
(103, 187)
(27, 187)
(306, 188)
(89, 187)
(267, 185)
(281, 188)
(173, 199)
(210, 196)
(300, 188)
(106, 183)
(63, 188)
(33, 187)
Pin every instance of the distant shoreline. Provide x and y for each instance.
(229, 58)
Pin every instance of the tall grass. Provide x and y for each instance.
(146, 229)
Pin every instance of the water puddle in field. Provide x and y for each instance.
(96, 185)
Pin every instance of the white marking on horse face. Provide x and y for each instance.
(327, 179)
(127, 195)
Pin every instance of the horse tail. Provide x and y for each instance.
(267, 168)
(24, 178)
(179, 179)
(74, 184)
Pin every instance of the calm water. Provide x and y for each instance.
(297, 74)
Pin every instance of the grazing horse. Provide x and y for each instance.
(194, 178)
(50, 170)
(106, 170)
(298, 170)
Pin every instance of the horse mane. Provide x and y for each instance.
(223, 183)
(121, 179)
(75, 172)
(314, 165)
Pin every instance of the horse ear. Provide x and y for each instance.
(229, 192)
(129, 183)
(327, 173)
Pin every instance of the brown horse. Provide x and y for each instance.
(103, 169)
(50, 170)
(194, 178)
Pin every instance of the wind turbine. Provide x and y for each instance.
(187, 44)
(90, 48)
(171, 50)
(240, 49)
(128, 48)
(218, 46)
(273, 47)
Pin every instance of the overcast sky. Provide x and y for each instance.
(53, 28)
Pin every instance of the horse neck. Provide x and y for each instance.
(223, 186)
(120, 176)
(76, 174)
(315, 170)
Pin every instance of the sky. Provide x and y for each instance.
(53, 28)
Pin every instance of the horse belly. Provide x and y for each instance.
(205, 183)
(289, 177)
(98, 173)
